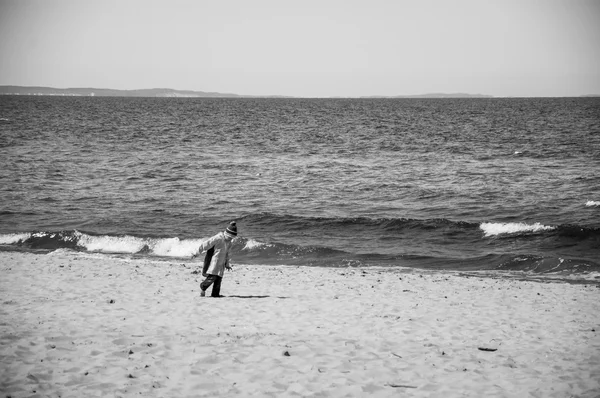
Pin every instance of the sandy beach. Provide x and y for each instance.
(81, 325)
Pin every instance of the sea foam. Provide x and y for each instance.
(174, 247)
(493, 229)
(253, 244)
(111, 244)
(592, 203)
(10, 239)
(169, 247)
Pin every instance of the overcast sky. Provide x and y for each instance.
(307, 48)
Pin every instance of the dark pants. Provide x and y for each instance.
(210, 279)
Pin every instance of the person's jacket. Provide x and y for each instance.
(220, 256)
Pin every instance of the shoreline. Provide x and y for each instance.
(578, 278)
(82, 325)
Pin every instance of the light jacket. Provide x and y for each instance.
(221, 255)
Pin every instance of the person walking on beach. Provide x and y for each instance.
(220, 245)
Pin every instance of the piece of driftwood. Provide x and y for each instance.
(400, 385)
(487, 349)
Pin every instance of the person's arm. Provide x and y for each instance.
(207, 244)
(227, 264)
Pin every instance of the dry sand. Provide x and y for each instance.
(75, 325)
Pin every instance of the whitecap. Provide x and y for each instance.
(174, 247)
(10, 239)
(493, 229)
(592, 203)
(111, 244)
(253, 244)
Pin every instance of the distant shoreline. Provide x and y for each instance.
(172, 93)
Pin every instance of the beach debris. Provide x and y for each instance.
(131, 376)
(394, 385)
(111, 301)
(490, 346)
(396, 355)
(286, 354)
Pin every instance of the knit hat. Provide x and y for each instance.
(231, 229)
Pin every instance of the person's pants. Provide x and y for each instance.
(210, 279)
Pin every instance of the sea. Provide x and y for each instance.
(505, 187)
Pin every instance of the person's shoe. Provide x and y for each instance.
(202, 293)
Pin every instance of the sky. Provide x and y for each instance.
(306, 48)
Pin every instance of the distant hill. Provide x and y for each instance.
(171, 93)
(437, 95)
(102, 92)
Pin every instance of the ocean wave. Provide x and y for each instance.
(341, 224)
(253, 244)
(547, 265)
(10, 239)
(174, 247)
(428, 244)
(112, 244)
(592, 203)
(126, 244)
(494, 229)
(164, 247)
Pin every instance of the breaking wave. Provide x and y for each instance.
(493, 229)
